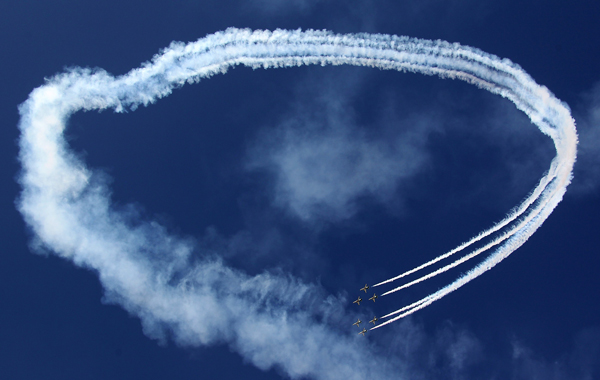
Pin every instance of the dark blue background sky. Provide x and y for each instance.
(200, 162)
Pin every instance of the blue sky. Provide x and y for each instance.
(317, 179)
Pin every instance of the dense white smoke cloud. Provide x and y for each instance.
(271, 319)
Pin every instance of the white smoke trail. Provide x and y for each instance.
(558, 177)
(500, 254)
(516, 228)
(511, 217)
(269, 319)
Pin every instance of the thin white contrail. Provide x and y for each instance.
(512, 216)
(560, 171)
(141, 266)
(486, 265)
(507, 234)
(407, 307)
(500, 254)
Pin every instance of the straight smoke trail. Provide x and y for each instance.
(153, 275)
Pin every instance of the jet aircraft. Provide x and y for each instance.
(357, 323)
(363, 332)
(373, 298)
(365, 288)
(358, 301)
(373, 320)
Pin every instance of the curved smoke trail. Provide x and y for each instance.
(272, 320)
(504, 236)
(511, 217)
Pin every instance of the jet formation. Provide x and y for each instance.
(358, 301)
